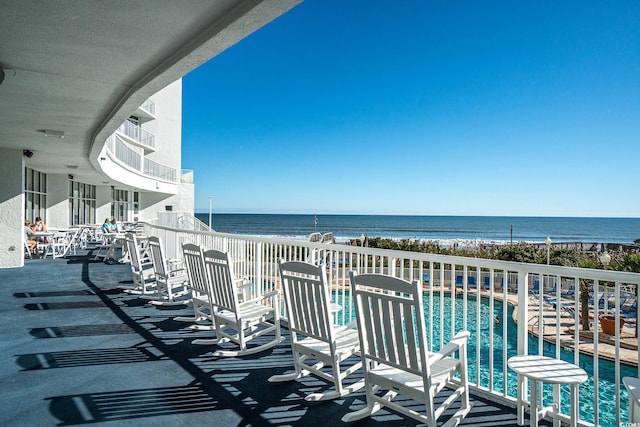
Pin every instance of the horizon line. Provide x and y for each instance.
(206, 212)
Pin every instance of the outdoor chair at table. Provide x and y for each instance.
(57, 244)
(314, 337)
(170, 281)
(395, 355)
(44, 242)
(107, 246)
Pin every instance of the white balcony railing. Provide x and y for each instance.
(159, 171)
(128, 156)
(548, 329)
(137, 134)
(134, 159)
(149, 106)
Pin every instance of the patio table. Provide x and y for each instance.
(547, 370)
(633, 387)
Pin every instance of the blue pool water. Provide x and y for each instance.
(606, 369)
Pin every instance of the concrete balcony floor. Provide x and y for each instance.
(77, 350)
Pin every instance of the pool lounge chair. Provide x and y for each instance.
(471, 282)
(535, 289)
(629, 310)
(570, 293)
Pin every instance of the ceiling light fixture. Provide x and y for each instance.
(54, 133)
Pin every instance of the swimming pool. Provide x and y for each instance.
(606, 368)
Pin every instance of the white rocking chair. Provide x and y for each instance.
(313, 334)
(235, 321)
(141, 270)
(391, 327)
(170, 282)
(198, 283)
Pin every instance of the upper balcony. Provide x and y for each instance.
(146, 112)
(128, 164)
(137, 136)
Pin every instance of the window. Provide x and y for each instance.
(82, 203)
(125, 205)
(120, 204)
(35, 194)
(136, 206)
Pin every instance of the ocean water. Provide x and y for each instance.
(441, 228)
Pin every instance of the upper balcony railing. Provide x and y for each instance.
(125, 154)
(138, 135)
(134, 159)
(149, 106)
(160, 171)
(495, 300)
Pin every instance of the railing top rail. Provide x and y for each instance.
(482, 263)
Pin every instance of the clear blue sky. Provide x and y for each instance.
(423, 107)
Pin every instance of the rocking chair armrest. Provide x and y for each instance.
(243, 282)
(346, 327)
(458, 341)
(175, 270)
(269, 295)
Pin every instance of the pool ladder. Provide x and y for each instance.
(535, 321)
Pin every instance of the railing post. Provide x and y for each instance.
(523, 312)
(523, 334)
(258, 268)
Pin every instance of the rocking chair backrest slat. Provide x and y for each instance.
(389, 315)
(307, 299)
(157, 257)
(134, 256)
(194, 264)
(224, 292)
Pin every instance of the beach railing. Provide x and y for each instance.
(489, 299)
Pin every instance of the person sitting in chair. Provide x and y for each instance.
(114, 226)
(108, 227)
(29, 236)
(40, 227)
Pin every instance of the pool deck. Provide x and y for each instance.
(606, 343)
(77, 350)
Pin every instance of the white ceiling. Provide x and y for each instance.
(82, 67)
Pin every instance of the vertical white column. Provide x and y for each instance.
(11, 208)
